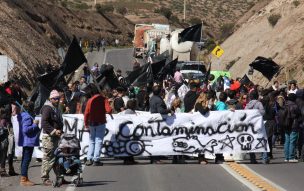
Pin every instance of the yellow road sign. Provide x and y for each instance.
(218, 51)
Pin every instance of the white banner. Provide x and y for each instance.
(148, 134)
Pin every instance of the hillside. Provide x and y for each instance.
(283, 42)
(216, 15)
(32, 31)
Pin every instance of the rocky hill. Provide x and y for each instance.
(217, 16)
(32, 31)
(274, 31)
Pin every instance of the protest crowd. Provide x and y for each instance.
(104, 90)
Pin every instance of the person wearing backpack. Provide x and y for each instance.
(292, 116)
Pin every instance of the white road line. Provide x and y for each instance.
(104, 57)
(240, 178)
(262, 177)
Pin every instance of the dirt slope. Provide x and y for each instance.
(284, 42)
(32, 31)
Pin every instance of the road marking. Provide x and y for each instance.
(105, 57)
(260, 182)
(71, 187)
(257, 174)
(239, 177)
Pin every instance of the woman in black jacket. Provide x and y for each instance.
(292, 119)
(270, 106)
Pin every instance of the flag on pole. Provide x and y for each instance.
(73, 58)
(192, 33)
(135, 74)
(167, 69)
(157, 67)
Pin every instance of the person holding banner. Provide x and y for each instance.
(157, 105)
(28, 138)
(131, 106)
(221, 105)
(202, 105)
(52, 126)
(254, 103)
(95, 119)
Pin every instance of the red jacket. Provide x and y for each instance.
(95, 111)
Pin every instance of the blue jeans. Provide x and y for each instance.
(290, 145)
(27, 153)
(96, 139)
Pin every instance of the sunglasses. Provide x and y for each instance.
(56, 98)
(244, 98)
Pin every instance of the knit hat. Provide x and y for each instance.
(54, 94)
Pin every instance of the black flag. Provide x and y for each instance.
(245, 80)
(168, 69)
(192, 33)
(50, 80)
(144, 78)
(135, 74)
(162, 56)
(157, 67)
(47, 82)
(266, 66)
(73, 58)
(111, 79)
(206, 78)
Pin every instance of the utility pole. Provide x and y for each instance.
(184, 10)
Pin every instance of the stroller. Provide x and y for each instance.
(68, 160)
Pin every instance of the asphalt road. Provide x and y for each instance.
(144, 176)
(120, 58)
(288, 176)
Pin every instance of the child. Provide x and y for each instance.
(65, 159)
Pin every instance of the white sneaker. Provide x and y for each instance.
(293, 161)
(286, 160)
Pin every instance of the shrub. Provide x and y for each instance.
(195, 20)
(104, 8)
(122, 10)
(210, 44)
(174, 19)
(226, 30)
(156, 10)
(296, 3)
(273, 19)
(165, 12)
(64, 4)
(82, 6)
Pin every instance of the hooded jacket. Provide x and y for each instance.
(28, 131)
(256, 104)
